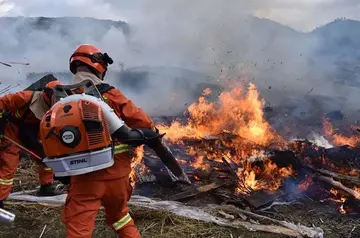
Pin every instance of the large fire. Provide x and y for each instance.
(232, 131)
(228, 138)
(238, 113)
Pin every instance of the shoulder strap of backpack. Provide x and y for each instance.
(104, 87)
(27, 110)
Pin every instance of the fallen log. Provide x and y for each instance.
(342, 177)
(177, 209)
(301, 230)
(338, 185)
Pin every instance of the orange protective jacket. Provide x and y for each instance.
(18, 104)
(134, 117)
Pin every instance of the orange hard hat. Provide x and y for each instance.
(48, 91)
(89, 55)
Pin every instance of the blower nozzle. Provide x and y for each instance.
(6, 217)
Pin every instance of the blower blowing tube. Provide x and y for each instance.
(6, 217)
(153, 140)
(134, 137)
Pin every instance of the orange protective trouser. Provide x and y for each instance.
(84, 200)
(9, 162)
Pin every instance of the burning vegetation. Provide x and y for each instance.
(229, 143)
(237, 125)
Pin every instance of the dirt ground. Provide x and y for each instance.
(34, 219)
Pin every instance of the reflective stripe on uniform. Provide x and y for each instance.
(121, 148)
(122, 222)
(6, 181)
(17, 114)
(48, 169)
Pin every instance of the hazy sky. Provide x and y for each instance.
(302, 15)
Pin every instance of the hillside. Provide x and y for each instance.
(65, 25)
(339, 37)
(340, 46)
(276, 56)
(17, 32)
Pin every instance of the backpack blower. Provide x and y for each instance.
(76, 134)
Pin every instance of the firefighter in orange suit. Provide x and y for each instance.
(111, 186)
(24, 110)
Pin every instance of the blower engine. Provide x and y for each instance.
(76, 138)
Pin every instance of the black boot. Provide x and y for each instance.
(1, 204)
(48, 190)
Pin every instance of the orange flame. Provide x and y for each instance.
(341, 209)
(305, 184)
(238, 113)
(338, 197)
(135, 163)
(271, 172)
(338, 139)
(357, 192)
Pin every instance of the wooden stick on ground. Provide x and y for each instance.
(301, 230)
(267, 228)
(196, 190)
(42, 232)
(338, 185)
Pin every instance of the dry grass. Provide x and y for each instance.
(34, 219)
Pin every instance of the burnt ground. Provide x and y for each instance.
(33, 218)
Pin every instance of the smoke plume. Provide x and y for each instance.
(207, 38)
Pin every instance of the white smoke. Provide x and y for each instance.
(203, 36)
